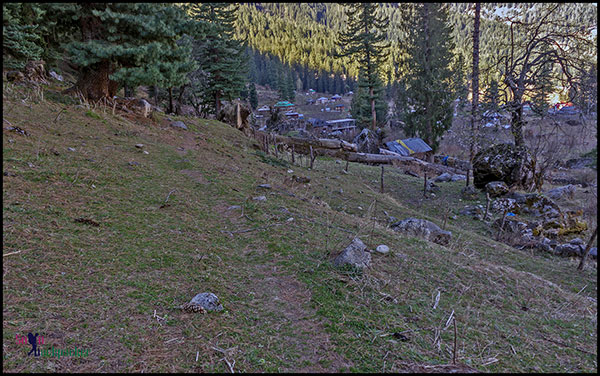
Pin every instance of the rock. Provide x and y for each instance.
(134, 163)
(71, 149)
(505, 204)
(469, 193)
(367, 142)
(579, 163)
(496, 188)
(143, 107)
(179, 124)
(145, 152)
(382, 249)
(475, 211)
(593, 252)
(446, 176)
(208, 301)
(573, 123)
(301, 179)
(354, 254)
(424, 229)
(234, 207)
(139, 146)
(443, 178)
(56, 76)
(576, 241)
(513, 165)
(568, 250)
(260, 198)
(408, 172)
(431, 187)
(265, 186)
(559, 192)
(14, 76)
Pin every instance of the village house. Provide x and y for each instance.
(339, 107)
(336, 98)
(284, 105)
(413, 147)
(322, 100)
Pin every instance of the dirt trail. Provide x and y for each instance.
(304, 334)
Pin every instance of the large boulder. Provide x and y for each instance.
(354, 254)
(367, 142)
(513, 165)
(496, 188)
(423, 229)
(229, 114)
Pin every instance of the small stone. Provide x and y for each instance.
(139, 146)
(179, 124)
(337, 161)
(134, 163)
(382, 249)
(207, 300)
(354, 254)
(234, 207)
(10, 140)
(290, 219)
(290, 171)
(31, 165)
(260, 198)
(71, 149)
(360, 208)
(265, 186)
(145, 152)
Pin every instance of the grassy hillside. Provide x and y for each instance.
(93, 251)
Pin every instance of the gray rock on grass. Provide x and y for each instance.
(208, 301)
(423, 229)
(179, 124)
(355, 254)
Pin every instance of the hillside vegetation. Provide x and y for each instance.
(101, 241)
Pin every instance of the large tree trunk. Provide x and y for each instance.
(475, 86)
(517, 123)
(93, 81)
(170, 110)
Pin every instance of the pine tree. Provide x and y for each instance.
(223, 57)
(124, 43)
(22, 40)
(363, 40)
(426, 106)
(253, 96)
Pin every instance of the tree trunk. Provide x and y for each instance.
(217, 103)
(170, 110)
(127, 91)
(474, 85)
(517, 123)
(93, 81)
(373, 112)
(587, 249)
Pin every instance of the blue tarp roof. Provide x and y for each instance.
(408, 146)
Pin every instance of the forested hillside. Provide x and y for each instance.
(307, 33)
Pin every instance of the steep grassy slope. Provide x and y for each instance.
(99, 284)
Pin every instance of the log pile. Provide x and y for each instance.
(348, 152)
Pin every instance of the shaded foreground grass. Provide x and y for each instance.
(286, 307)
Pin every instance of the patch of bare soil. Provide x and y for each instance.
(300, 330)
(196, 175)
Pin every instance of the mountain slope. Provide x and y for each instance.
(101, 241)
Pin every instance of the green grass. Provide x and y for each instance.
(286, 307)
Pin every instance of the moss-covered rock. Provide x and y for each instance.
(513, 165)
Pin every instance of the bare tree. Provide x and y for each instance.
(549, 40)
(475, 86)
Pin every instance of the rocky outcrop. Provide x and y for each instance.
(446, 176)
(496, 188)
(423, 229)
(468, 193)
(513, 165)
(207, 300)
(354, 254)
(367, 142)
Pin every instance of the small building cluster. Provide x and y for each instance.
(413, 147)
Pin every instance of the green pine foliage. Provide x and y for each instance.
(253, 96)
(22, 40)
(426, 106)
(364, 41)
(219, 54)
